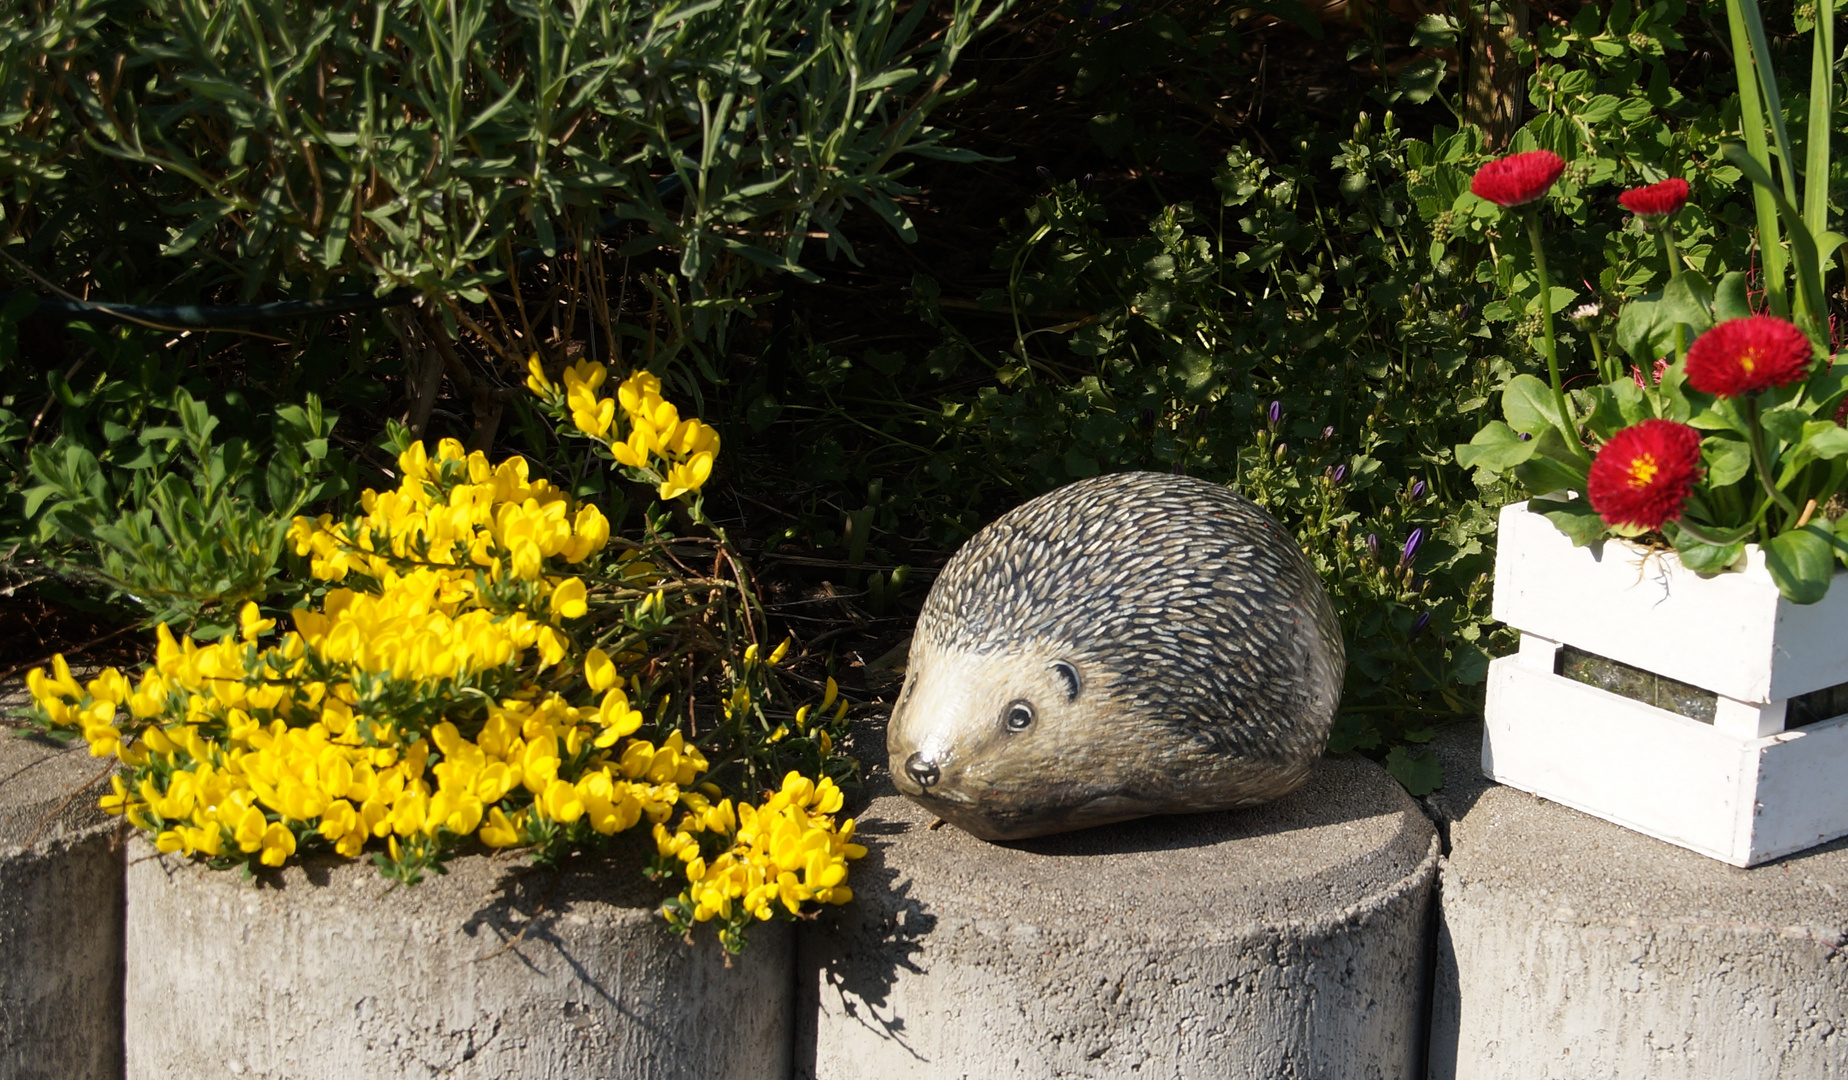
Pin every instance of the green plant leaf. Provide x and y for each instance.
(1785, 423)
(1801, 562)
(1688, 299)
(1575, 518)
(1646, 330)
(1706, 559)
(1729, 298)
(1552, 468)
(1497, 447)
(1421, 774)
(1527, 403)
(1727, 460)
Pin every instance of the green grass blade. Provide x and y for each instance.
(1752, 129)
(1821, 122)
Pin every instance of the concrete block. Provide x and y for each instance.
(495, 970)
(1287, 940)
(60, 914)
(1571, 948)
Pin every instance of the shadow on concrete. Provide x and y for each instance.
(1317, 803)
(856, 952)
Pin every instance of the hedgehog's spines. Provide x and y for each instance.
(1187, 592)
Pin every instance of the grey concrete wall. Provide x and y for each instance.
(60, 915)
(496, 970)
(1285, 941)
(1571, 948)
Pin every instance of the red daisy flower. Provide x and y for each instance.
(1656, 200)
(1517, 178)
(1744, 356)
(1641, 478)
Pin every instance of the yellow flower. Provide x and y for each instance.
(568, 599)
(499, 832)
(252, 622)
(278, 844)
(599, 672)
(536, 380)
(687, 476)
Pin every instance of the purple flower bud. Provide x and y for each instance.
(1525, 436)
(1418, 625)
(1418, 489)
(1084, 185)
(1373, 544)
(1328, 433)
(1340, 473)
(1412, 544)
(1276, 413)
(1045, 174)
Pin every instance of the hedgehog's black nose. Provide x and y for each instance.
(922, 769)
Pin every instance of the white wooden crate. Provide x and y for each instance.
(1741, 789)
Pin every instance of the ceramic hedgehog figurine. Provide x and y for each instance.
(1132, 644)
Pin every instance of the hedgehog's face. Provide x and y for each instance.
(991, 742)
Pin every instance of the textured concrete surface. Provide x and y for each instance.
(1571, 948)
(496, 970)
(1279, 942)
(60, 913)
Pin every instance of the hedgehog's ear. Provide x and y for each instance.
(1069, 673)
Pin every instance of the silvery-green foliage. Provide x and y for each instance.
(278, 147)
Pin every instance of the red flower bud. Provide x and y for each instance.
(1641, 478)
(1656, 200)
(1518, 178)
(1744, 356)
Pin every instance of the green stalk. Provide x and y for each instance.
(1752, 129)
(1665, 233)
(1531, 215)
(1757, 433)
(1597, 357)
(1821, 118)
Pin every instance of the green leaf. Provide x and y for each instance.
(1575, 518)
(1729, 298)
(1706, 559)
(1112, 131)
(1785, 424)
(1420, 774)
(1420, 80)
(1559, 298)
(1645, 330)
(1528, 405)
(1727, 460)
(1552, 468)
(1688, 299)
(1825, 440)
(1801, 562)
(1434, 32)
(1497, 447)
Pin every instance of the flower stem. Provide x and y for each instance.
(1757, 436)
(1697, 533)
(1566, 427)
(1665, 232)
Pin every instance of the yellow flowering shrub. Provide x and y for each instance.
(638, 429)
(757, 862)
(475, 670)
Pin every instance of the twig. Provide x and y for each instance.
(86, 647)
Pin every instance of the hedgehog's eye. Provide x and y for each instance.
(1073, 683)
(1019, 715)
